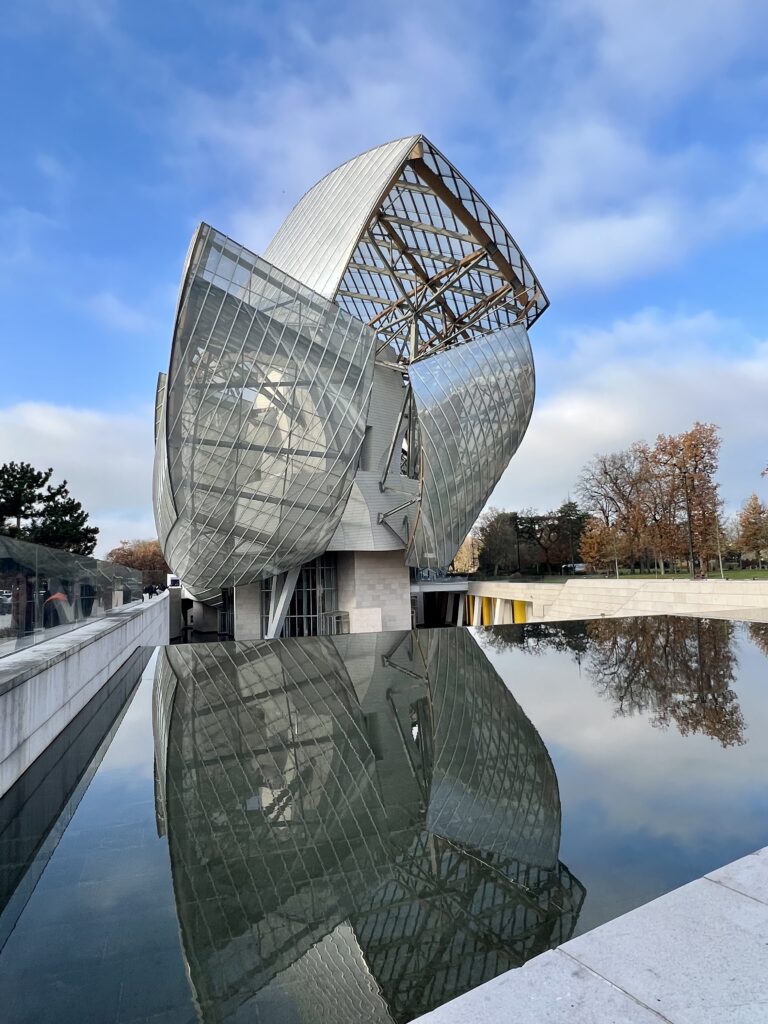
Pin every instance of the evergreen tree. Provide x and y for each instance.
(34, 510)
(753, 527)
(21, 491)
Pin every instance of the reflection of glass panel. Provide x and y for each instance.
(263, 417)
(371, 815)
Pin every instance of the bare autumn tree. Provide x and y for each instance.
(601, 544)
(753, 528)
(609, 487)
(144, 555)
(758, 632)
(660, 510)
(674, 669)
(466, 559)
(692, 457)
(662, 501)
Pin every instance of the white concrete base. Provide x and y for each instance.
(43, 687)
(594, 598)
(374, 587)
(248, 612)
(698, 955)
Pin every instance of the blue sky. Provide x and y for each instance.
(625, 145)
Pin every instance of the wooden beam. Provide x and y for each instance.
(462, 214)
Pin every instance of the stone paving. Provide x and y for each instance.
(698, 955)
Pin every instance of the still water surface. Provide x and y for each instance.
(361, 828)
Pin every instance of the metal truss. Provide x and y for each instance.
(435, 267)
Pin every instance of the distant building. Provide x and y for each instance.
(337, 412)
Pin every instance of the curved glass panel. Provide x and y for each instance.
(473, 403)
(360, 827)
(265, 411)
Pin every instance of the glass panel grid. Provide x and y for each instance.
(265, 412)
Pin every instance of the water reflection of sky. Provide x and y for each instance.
(644, 809)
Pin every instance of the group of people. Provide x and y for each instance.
(152, 590)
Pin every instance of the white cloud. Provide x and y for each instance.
(110, 310)
(660, 48)
(568, 135)
(23, 230)
(107, 460)
(327, 96)
(645, 375)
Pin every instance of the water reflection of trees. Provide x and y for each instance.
(758, 634)
(675, 670)
(539, 637)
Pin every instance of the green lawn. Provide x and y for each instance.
(729, 574)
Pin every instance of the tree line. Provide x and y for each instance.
(525, 542)
(649, 508)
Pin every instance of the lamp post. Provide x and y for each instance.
(719, 551)
(684, 473)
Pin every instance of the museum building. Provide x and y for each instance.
(337, 412)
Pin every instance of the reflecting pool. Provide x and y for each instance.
(360, 828)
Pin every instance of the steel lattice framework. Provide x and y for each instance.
(391, 264)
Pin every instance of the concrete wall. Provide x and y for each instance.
(43, 687)
(203, 618)
(593, 598)
(374, 588)
(248, 612)
(175, 621)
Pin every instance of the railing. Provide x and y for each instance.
(44, 592)
(334, 623)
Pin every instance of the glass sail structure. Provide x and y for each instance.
(361, 386)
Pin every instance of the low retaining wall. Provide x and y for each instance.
(584, 599)
(43, 687)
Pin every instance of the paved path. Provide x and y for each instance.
(698, 955)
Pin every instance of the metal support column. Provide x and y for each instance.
(282, 592)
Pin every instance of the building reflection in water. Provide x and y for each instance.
(674, 669)
(360, 827)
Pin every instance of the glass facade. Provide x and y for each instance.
(398, 269)
(44, 591)
(313, 610)
(474, 403)
(261, 418)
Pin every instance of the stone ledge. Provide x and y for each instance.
(697, 955)
(20, 666)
